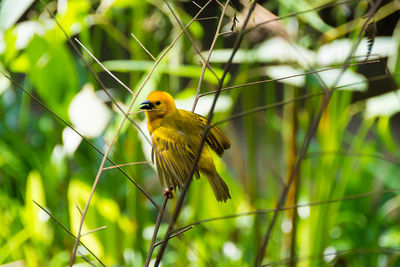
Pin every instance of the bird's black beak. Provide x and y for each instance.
(146, 105)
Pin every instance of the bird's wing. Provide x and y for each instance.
(173, 157)
(215, 138)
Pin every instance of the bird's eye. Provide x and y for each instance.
(158, 103)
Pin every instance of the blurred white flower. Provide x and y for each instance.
(88, 113)
(71, 141)
(329, 254)
(383, 105)
(232, 251)
(204, 104)
(337, 51)
(280, 71)
(25, 32)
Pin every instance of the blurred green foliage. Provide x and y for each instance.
(355, 150)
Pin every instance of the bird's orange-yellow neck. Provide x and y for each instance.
(158, 106)
(155, 117)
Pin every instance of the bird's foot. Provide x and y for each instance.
(168, 192)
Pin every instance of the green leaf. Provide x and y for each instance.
(52, 73)
(36, 218)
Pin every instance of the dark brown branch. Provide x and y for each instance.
(210, 116)
(288, 77)
(157, 227)
(274, 105)
(311, 204)
(176, 234)
(191, 40)
(132, 101)
(300, 98)
(310, 133)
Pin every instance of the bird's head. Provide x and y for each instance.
(158, 105)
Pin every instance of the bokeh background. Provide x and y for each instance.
(349, 182)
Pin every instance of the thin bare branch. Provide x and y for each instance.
(176, 234)
(78, 208)
(97, 179)
(273, 105)
(101, 168)
(94, 230)
(67, 230)
(104, 68)
(127, 164)
(207, 18)
(196, 99)
(102, 86)
(157, 227)
(225, 33)
(86, 259)
(290, 76)
(203, 70)
(300, 98)
(83, 137)
(310, 204)
(310, 133)
(194, 2)
(219, 3)
(144, 48)
(194, 45)
(188, 180)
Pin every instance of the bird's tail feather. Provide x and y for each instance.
(219, 187)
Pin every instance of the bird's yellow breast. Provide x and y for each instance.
(178, 128)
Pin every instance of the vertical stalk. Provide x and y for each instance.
(310, 133)
(291, 112)
(157, 227)
(179, 204)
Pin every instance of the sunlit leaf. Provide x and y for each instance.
(36, 218)
(54, 75)
(391, 238)
(383, 105)
(11, 11)
(78, 194)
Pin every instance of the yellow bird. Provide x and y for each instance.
(176, 136)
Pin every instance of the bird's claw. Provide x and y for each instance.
(168, 192)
